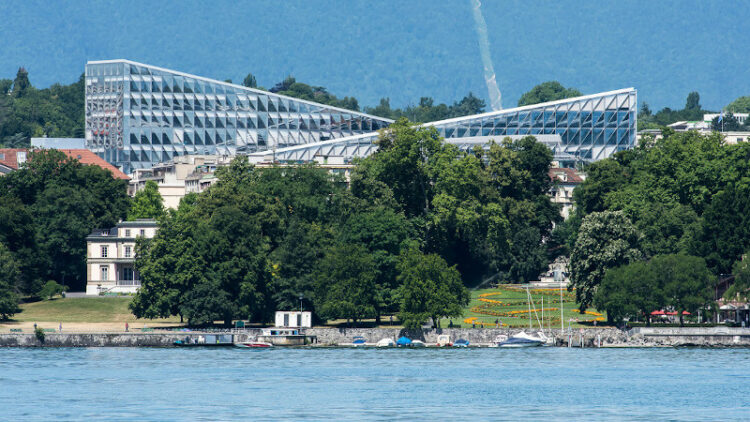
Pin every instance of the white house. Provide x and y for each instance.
(110, 257)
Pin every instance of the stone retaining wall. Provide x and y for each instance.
(589, 337)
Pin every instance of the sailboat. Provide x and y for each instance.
(524, 339)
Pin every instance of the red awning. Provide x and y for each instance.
(657, 313)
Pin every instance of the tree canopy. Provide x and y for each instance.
(26, 112)
(147, 203)
(547, 91)
(48, 208)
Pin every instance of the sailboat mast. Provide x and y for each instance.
(528, 297)
(562, 324)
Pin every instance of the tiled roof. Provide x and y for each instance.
(87, 157)
(565, 175)
(8, 157)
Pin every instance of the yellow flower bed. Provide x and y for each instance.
(481, 299)
(588, 312)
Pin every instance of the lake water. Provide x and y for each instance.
(354, 384)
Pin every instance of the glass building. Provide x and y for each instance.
(581, 129)
(138, 115)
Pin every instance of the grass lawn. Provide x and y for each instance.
(509, 304)
(85, 310)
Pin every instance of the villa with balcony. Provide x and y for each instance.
(110, 257)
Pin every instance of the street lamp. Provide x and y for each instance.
(300, 303)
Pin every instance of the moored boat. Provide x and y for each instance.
(385, 342)
(461, 343)
(521, 339)
(403, 342)
(253, 345)
(359, 341)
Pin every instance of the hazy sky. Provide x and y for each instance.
(401, 50)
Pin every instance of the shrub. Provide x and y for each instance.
(39, 332)
(50, 290)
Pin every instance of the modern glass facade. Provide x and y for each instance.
(577, 129)
(138, 115)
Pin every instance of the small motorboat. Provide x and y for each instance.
(521, 339)
(444, 340)
(253, 345)
(403, 342)
(417, 343)
(385, 342)
(358, 341)
(461, 343)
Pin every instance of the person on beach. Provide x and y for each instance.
(126, 327)
(35, 326)
(61, 328)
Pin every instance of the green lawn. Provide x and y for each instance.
(96, 309)
(512, 310)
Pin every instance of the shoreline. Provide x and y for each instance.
(342, 337)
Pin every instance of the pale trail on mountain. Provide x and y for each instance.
(484, 50)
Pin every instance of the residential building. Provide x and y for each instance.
(581, 129)
(171, 176)
(110, 257)
(565, 180)
(138, 115)
(11, 159)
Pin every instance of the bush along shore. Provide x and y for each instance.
(589, 337)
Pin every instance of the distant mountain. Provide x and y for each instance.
(401, 50)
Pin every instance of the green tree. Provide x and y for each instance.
(250, 81)
(21, 84)
(429, 289)
(294, 261)
(547, 91)
(688, 283)
(725, 123)
(56, 201)
(345, 284)
(50, 290)
(170, 265)
(693, 101)
(630, 291)
(10, 278)
(147, 203)
(740, 105)
(725, 232)
(384, 233)
(606, 240)
(740, 289)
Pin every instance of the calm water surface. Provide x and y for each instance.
(353, 384)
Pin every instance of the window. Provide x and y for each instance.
(143, 232)
(105, 273)
(128, 251)
(104, 251)
(127, 274)
(127, 232)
